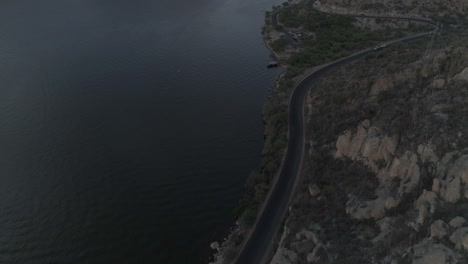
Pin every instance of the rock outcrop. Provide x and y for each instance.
(394, 186)
(428, 252)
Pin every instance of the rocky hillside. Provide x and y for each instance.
(386, 179)
(427, 8)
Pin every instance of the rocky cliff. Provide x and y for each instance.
(386, 179)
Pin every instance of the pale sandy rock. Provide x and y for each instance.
(376, 209)
(367, 144)
(427, 154)
(350, 143)
(439, 229)
(462, 76)
(406, 168)
(449, 157)
(342, 144)
(372, 24)
(438, 84)
(214, 245)
(314, 190)
(307, 235)
(460, 169)
(284, 256)
(318, 255)
(436, 185)
(444, 164)
(391, 202)
(441, 116)
(457, 222)
(425, 205)
(385, 225)
(460, 238)
(382, 84)
(428, 253)
(451, 189)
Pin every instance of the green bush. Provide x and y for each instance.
(248, 217)
(230, 254)
(279, 45)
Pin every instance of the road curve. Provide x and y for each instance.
(257, 248)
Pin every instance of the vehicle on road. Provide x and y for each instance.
(380, 47)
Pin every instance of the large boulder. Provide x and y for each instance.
(406, 168)
(368, 144)
(462, 76)
(318, 255)
(214, 245)
(439, 229)
(438, 84)
(456, 178)
(425, 205)
(451, 190)
(428, 253)
(314, 190)
(375, 209)
(460, 238)
(457, 222)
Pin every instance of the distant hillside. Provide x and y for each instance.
(453, 9)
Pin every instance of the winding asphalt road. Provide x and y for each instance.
(259, 245)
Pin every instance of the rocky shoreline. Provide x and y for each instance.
(406, 177)
(377, 192)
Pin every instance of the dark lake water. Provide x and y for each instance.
(127, 128)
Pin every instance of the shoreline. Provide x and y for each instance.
(220, 247)
(297, 80)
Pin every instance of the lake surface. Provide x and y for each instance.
(127, 128)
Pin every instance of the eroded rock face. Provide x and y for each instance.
(457, 222)
(318, 255)
(454, 185)
(428, 252)
(407, 170)
(305, 240)
(419, 176)
(460, 238)
(439, 229)
(425, 205)
(367, 144)
(370, 209)
(462, 76)
(438, 84)
(284, 255)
